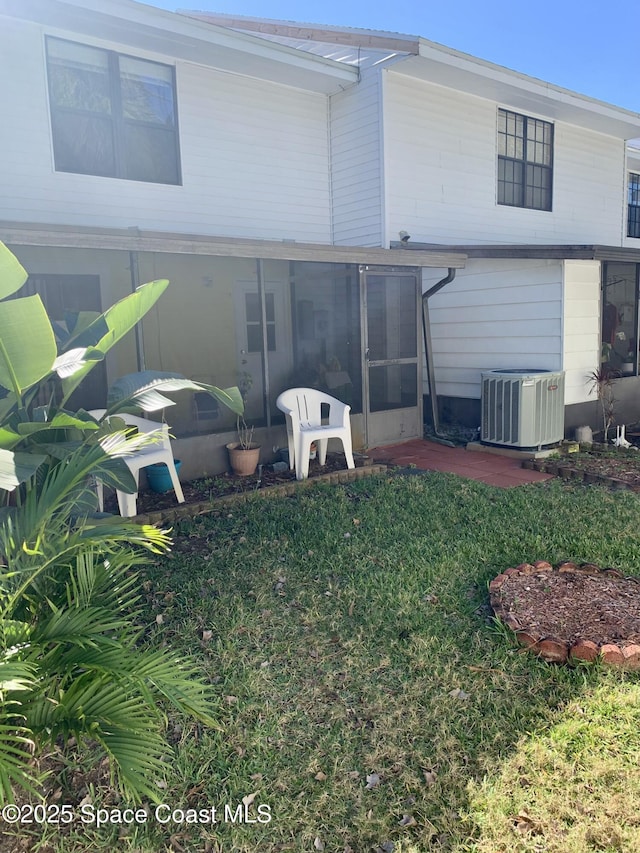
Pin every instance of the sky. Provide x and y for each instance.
(589, 46)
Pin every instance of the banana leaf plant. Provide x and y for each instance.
(38, 360)
(73, 663)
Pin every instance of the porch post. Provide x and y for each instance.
(135, 283)
(265, 343)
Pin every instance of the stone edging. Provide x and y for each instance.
(181, 511)
(553, 649)
(563, 468)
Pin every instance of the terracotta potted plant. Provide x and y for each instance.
(244, 454)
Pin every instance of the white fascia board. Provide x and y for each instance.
(460, 71)
(138, 26)
(136, 240)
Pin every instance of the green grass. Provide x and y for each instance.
(366, 696)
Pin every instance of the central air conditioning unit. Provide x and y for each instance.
(522, 408)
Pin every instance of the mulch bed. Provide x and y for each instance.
(210, 489)
(618, 468)
(571, 613)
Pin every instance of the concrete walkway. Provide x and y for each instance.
(474, 464)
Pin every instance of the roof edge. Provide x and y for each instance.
(351, 36)
(135, 239)
(551, 251)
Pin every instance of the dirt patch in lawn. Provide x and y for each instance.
(571, 612)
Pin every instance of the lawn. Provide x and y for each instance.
(367, 701)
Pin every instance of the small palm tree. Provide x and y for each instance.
(602, 382)
(71, 662)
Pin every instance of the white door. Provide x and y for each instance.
(393, 398)
(250, 343)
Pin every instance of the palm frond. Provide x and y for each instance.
(137, 762)
(124, 724)
(179, 683)
(16, 749)
(76, 626)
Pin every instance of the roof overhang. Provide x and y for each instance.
(135, 240)
(447, 67)
(140, 27)
(556, 251)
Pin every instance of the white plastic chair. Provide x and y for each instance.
(157, 451)
(302, 408)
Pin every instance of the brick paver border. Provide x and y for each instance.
(181, 511)
(554, 649)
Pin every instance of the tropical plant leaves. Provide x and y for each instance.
(111, 326)
(71, 662)
(16, 675)
(229, 397)
(15, 759)
(12, 274)
(61, 420)
(16, 468)
(9, 438)
(73, 360)
(143, 388)
(20, 365)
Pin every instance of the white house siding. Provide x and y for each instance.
(581, 327)
(254, 155)
(441, 164)
(356, 164)
(495, 314)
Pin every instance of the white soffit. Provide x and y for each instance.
(446, 67)
(140, 27)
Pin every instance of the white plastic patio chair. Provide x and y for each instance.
(303, 408)
(156, 451)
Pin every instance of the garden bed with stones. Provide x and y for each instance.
(617, 468)
(571, 613)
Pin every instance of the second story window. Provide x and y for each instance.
(525, 161)
(633, 215)
(111, 114)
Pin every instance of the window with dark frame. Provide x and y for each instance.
(65, 296)
(525, 161)
(633, 214)
(112, 115)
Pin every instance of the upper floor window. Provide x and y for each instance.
(111, 114)
(525, 161)
(633, 217)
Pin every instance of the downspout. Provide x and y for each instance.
(428, 350)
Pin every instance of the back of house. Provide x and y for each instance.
(269, 169)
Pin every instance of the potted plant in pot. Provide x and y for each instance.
(244, 454)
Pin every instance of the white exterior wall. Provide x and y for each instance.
(441, 174)
(254, 155)
(356, 164)
(494, 314)
(581, 328)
